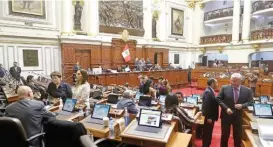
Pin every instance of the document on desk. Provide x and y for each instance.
(265, 128)
(266, 143)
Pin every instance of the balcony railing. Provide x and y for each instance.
(262, 34)
(224, 38)
(218, 13)
(261, 5)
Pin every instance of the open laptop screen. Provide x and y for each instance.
(262, 109)
(197, 95)
(112, 98)
(264, 99)
(138, 94)
(162, 99)
(69, 105)
(192, 100)
(150, 118)
(100, 111)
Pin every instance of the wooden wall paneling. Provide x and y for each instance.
(100, 79)
(110, 79)
(122, 78)
(106, 57)
(133, 79)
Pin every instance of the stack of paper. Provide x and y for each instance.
(265, 127)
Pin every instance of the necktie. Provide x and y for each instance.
(236, 97)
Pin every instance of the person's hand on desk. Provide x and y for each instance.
(238, 106)
(229, 111)
(197, 115)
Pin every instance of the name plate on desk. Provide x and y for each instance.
(160, 135)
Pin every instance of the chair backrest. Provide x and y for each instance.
(12, 132)
(63, 133)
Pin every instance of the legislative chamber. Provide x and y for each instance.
(136, 73)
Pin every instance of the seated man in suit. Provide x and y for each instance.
(30, 112)
(127, 102)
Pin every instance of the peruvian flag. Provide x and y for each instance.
(126, 53)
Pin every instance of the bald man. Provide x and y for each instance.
(30, 112)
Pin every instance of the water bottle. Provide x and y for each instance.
(61, 103)
(81, 114)
(126, 117)
(111, 129)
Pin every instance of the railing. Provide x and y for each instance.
(218, 13)
(261, 5)
(224, 38)
(262, 34)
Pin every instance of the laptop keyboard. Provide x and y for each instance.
(64, 113)
(95, 121)
(148, 129)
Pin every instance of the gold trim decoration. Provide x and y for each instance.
(220, 49)
(203, 50)
(74, 2)
(125, 35)
(257, 47)
(192, 3)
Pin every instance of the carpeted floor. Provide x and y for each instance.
(217, 126)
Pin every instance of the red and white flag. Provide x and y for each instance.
(126, 53)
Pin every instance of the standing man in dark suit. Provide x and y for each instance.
(30, 112)
(2, 71)
(233, 98)
(210, 110)
(15, 71)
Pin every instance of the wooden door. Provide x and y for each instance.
(83, 57)
(160, 59)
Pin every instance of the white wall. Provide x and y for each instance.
(264, 55)
(218, 56)
(49, 57)
(214, 5)
(218, 29)
(258, 23)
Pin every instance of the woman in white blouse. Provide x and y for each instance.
(81, 91)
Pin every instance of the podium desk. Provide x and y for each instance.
(169, 138)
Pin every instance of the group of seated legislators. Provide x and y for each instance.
(33, 113)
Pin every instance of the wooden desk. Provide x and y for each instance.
(175, 77)
(12, 98)
(100, 131)
(170, 138)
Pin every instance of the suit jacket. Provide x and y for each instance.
(15, 74)
(2, 72)
(226, 100)
(210, 108)
(31, 113)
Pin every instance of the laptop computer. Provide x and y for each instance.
(112, 99)
(149, 121)
(138, 94)
(68, 107)
(100, 111)
(192, 100)
(264, 99)
(162, 99)
(263, 110)
(145, 101)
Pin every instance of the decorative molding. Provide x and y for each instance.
(257, 47)
(220, 49)
(192, 3)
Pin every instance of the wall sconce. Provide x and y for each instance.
(220, 49)
(192, 3)
(257, 47)
(203, 50)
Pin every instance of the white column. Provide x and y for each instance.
(236, 20)
(67, 18)
(161, 23)
(189, 29)
(147, 19)
(92, 17)
(198, 29)
(246, 20)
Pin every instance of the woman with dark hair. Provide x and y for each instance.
(81, 91)
(185, 121)
(165, 88)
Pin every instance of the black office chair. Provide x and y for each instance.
(12, 133)
(67, 134)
